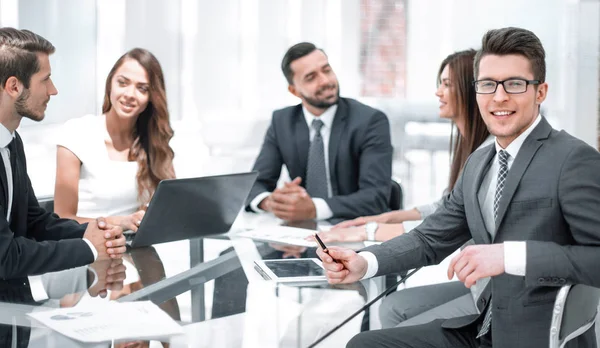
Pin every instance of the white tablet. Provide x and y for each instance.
(291, 270)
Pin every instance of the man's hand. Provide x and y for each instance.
(110, 275)
(289, 188)
(477, 261)
(128, 222)
(107, 239)
(293, 207)
(349, 268)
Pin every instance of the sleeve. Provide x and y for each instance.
(428, 209)
(375, 173)
(72, 135)
(438, 236)
(268, 165)
(551, 264)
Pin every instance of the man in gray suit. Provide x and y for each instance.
(337, 150)
(529, 202)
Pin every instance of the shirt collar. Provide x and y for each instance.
(5, 136)
(514, 147)
(326, 117)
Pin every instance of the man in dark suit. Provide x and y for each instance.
(529, 202)
(337, 150)
(32, 240)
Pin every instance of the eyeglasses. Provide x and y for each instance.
(512, 86)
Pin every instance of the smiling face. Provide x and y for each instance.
(445, 93)
(130, 89)
(33, 101)
(509, 115)
(314, 82)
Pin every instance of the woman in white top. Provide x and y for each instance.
(110, 165)
(457, 103)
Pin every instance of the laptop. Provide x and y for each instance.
(190, 208)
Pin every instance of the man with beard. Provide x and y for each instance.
(32, 240)
(337, 150)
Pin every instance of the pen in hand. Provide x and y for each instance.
(323, 246)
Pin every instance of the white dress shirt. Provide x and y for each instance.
(37, 288)
(515, 253)
(322, 208)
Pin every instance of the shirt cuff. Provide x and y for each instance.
(256, 201)
(515, 258)
(322, 209)
(372, 264)
(37, 288)
(94, 251)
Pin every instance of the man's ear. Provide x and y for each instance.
(13, 87)
(292, 89)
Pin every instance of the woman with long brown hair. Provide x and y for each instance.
(110, 165)
(457, 103)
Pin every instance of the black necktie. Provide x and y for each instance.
(12, 147)
(316, 175)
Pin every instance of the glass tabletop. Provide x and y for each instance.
(208, 285)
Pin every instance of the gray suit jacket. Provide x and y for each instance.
(551, 199)
(360, 157)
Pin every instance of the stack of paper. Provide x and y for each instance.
(113, 321)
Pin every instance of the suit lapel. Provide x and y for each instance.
(302, 143)
(337, 128)
(519, 166)
(4, 187)
(480, 170)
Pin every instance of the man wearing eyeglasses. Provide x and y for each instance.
(529, 202)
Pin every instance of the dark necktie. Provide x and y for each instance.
(12, 147)
(316, 175)
(502, 171)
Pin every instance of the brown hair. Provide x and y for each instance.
(514, 41)
(18, 57)
(463, 93)
(152, 131)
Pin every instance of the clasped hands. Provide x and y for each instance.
(107, 239)
(290, 202)
(471, 264)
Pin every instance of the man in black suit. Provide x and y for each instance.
(32, 240)
(529, 202)
(337, 149)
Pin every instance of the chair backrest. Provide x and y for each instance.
(574, 313)
(397, 196)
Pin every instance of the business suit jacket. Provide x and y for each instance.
(360, 157)
(551, 200)
(35, 241)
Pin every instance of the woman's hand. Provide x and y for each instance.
(128, 222)
(359, 221)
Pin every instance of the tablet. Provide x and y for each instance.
(291, 270)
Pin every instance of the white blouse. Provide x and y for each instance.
(106, 187)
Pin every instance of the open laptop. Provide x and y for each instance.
(194, 207)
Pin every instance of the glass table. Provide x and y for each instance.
(208, 285)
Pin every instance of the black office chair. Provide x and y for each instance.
(575, 310)
(397, 196)
(47, 204)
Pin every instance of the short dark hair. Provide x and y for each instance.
(297, 51)
(514, 41)
(18, 57)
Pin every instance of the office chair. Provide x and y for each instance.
(397, 196)
(574, 313)
(47, 204)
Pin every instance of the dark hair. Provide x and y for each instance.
(18, 57)
(152, 131)
(464, 97)
(296, 52)
(514, 41)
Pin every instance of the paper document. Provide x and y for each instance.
(111, 321)
(281, 234)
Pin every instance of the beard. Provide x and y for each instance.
(322, 103)
(23, 108)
